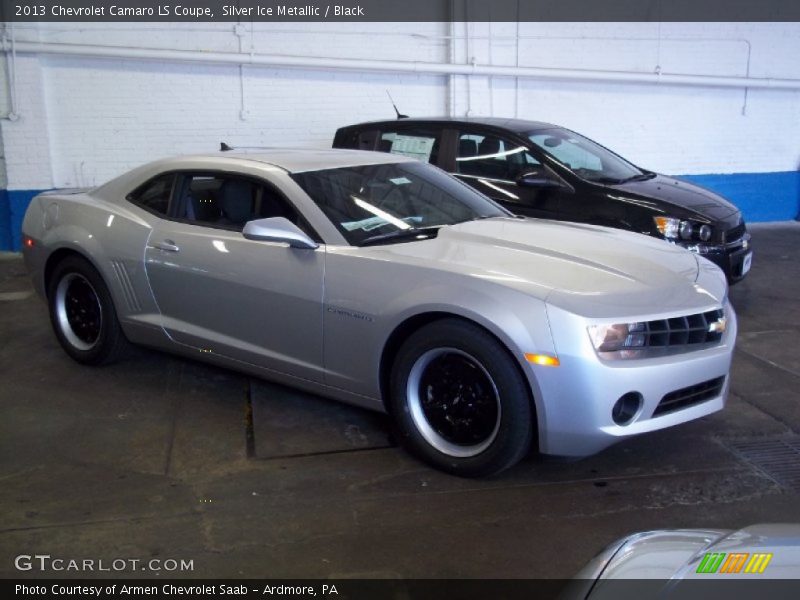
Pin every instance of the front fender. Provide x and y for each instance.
(360, 317)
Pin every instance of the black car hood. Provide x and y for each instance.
(671, 191)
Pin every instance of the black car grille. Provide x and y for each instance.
(682, 331)
(735, 234)
(689, 396)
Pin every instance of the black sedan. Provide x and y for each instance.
(542, 170)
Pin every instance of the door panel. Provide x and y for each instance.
(218, 292)
(252, 301)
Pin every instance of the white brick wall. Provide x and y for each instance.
(26, 141)
(86, 120)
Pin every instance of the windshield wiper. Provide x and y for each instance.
(607, 180)
(640, 177)
(413, 233)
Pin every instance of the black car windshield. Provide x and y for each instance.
(388, 203)
(587, 159)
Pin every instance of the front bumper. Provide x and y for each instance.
(733, 258)
(577, 398)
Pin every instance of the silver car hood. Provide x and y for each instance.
(677, 554)
(583, 268)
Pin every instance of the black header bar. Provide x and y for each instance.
(64, 11)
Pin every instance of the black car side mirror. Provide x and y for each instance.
(537, 178)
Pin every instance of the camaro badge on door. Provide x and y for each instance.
(349, 313)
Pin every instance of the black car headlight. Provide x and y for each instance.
(675, 229)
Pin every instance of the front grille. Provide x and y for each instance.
(735, 234)
(689, 396)
(681, 331)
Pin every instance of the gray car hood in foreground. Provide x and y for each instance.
(677, 554)
(589, 270)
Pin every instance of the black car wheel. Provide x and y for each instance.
(458, 400)
(82, 313)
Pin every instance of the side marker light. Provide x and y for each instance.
(544, 360)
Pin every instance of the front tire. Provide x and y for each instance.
(458, 400)
(82, 313)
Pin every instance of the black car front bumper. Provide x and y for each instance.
(734, 258)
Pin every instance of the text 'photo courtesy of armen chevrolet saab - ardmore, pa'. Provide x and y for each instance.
(403, 307)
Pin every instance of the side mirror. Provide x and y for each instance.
(537, 178)
(278, 229)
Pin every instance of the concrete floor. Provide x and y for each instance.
(151, 458)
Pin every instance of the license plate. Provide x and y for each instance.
(746, 263)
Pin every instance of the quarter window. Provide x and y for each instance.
(155, 194)
(491, 157)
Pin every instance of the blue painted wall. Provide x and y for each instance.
(13, 204)
(760, 196)
(5, 222)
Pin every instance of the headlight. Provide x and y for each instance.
(659, 337)
(668, 226)
(618, 336)
(673, 228)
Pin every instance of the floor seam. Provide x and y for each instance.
(175, 413)
(769, 362)
(761, 409)
(100, 522)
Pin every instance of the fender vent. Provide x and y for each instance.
(128, 292)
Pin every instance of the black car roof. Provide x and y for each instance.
(515, 125)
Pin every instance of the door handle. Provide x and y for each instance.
(167, 246)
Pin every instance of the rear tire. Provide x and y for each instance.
(82, 313)
(458, 400)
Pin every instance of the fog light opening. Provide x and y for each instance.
(626, 408)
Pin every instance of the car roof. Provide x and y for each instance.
(515, 125)
(298, 160)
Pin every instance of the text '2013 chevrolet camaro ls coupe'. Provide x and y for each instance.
(382, 281)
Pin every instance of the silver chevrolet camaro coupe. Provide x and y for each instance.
(383, 282)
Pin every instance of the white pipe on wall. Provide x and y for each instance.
(393, 66)
(11, 72)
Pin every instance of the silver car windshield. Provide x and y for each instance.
(587, 159)
(392, 203)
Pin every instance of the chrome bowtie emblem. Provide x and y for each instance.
(718, 326)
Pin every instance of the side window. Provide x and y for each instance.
(155, 194)
(229, 202)
(492, 157)
(417, 143)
